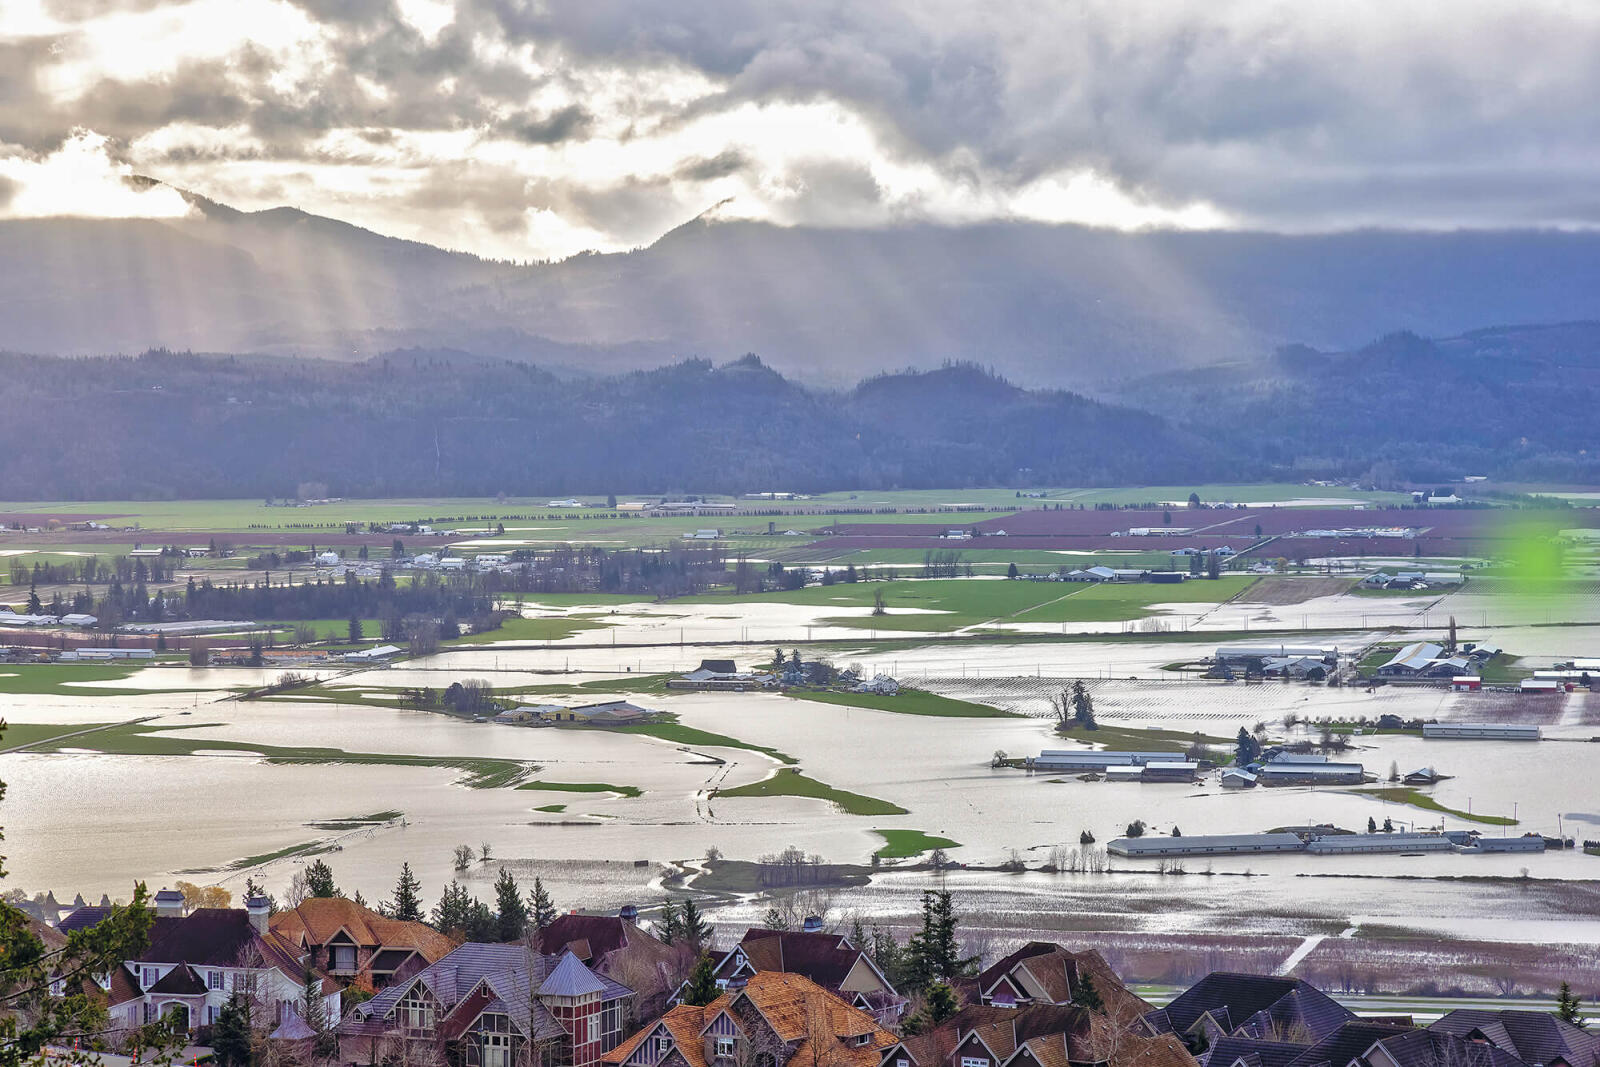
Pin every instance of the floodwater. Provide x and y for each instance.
(90, 823)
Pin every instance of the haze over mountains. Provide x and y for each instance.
(1045, 305)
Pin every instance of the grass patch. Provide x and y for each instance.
(307, 848)
(50, 679)
(789, 782)
(900, 844)
(357, 822)
(908, 702)
(148, 740)
(680, 734)
(554, 809)
(744, 876)
(543, 628)
(20, 734)
(1135, 737)
(629, 791)
(1409, 795)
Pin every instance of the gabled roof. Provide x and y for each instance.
(1225, 1052)
(83, 918)
(826, 959)
(221, 937)
(602, 934)
(1041, 970)
(180, 981)
(1347, 1043)
(1256, 1005)
(1436, 1048)
(317, 921)
(682, 1024)
(1534, 1037)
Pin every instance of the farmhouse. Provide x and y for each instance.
(1482, 731)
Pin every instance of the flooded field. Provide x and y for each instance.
(211, 788)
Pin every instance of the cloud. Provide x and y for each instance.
(611, 121)
(81, 179)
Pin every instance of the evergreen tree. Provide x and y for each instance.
(407, 903)
(669, 928)
(1567, 1005)
(889, 956)
(34, 606)
(450, 916)
(319, 880)
(775, 920)
(540, 909)
(696, 931)
(702, 985)
(482, 923)
(353, 630)
(315, 1014)
(941, 1002)
(858, 934)
(513, 912)
(253, 888)
(230, 1034)
(1087, 996)
(1082, 706)
(1011, 570)
(1245, 748)
(935, 954)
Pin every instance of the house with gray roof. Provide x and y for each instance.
(486, 1005)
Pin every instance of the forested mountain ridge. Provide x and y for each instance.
(1518, 402)
(420, 423)
(1053, 305)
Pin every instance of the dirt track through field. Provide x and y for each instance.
(1282, 591)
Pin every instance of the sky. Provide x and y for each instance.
(530, 130)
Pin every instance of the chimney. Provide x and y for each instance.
(812, 924)
(629, 913)
(169, 904)
(259, 911)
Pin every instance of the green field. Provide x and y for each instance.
(899, 844)
(546, 628)
(1408, 795)
(629, 791)
(19, 734)
(789, 782)
(689, 736)
(58, 679)
(1134, 737)
(907, 702)
(149, 740)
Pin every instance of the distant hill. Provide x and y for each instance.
(429, 423)
(1518, 402)
(1046, 305)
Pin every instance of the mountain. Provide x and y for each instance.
(1045, 305)
(429, 423)
(1517, 402)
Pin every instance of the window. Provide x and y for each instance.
(496, 1050)
(725, 1048)
(214, 980)
(150, 977)
(343, 957)
(663, 1044)
(974, 1061)
(149, 1012)
(580, 1030)
(415, 1011)
(211, 1013)
(611, 1023)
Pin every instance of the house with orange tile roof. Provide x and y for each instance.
(1042, 972)
(830, 960)
(775, 1019)
(350, 941)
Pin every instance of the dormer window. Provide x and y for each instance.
(724, 1048)
(663, 1044)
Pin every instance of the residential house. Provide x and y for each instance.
(197, 962)
(1534, 1037)
(349, 941)
(1436, 1048)
(490, 1006)
(1041, 972)
(1036, 1035)
(774, 1019)
(1255, 1006)
(829, 960)
(616, 947)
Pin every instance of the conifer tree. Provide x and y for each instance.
(512, 911)
(540, 909)
(702, 985)
(407, 903)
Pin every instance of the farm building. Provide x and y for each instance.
(376, 654)
(1238, 778)
(1482, 731)
(1466, 683)
(78, 619)
(106, 653)
(1279, 773)
(1084, 760)
(1246, 653)
(1206, 845)
(1129, 773)
(527, 713)
(1411, 660)
(1169, 771)
(1422, 776)
(1349, 844)
(1303, 668)
(606, 713)
(1527, 843)
(1450, 668)
(1542, 685)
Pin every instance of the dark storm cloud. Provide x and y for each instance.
(709, 168)
(560, 125)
